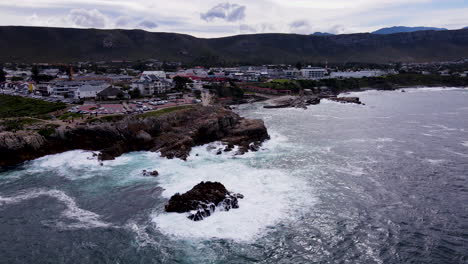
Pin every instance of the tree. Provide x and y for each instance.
(16, 79)
(135, 93)
(2, 75)
(299, 65)
(181, 83)
(35, 73)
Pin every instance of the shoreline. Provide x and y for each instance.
(173, 134)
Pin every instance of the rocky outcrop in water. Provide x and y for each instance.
(173, 134)
(203, 200)
(296, 102)
(306, 100)
(349, 100)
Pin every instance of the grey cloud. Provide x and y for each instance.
(259, 28)
(301, 27)
(337, 29)
(247, 29)
(123, 21)
(225, 11)
(87, 18)
(147, 24)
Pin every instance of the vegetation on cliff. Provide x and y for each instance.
(381, 83)
(16, 106)
(173, 133)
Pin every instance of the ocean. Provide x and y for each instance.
(384, 182)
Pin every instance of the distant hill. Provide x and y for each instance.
(322, 34)
(41, 44)
(393, 30)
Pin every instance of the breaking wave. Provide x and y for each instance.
(81, 219)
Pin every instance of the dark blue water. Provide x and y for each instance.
(382, 183)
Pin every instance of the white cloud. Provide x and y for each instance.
(225, 11)
(87, 18)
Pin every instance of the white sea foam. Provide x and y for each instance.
(82, 219)
(435, 161)
(434, 89)
(271, 196)
(72, 163)
(465, 143)
(376, 140)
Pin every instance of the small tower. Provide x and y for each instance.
(70, 73)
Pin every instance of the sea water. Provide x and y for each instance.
(384, 182)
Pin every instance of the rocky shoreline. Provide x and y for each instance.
(173, 134)
(305, 100)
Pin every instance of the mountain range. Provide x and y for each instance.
(393, 30)
(54, 45)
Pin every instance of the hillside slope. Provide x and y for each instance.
(38, 44)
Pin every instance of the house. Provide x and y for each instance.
(45, 88)
(87, 92)
(112, 93)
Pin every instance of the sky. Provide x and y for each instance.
(219, 18)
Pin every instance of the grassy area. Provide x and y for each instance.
(164, 111)
(16, 106)
(17, 123)
(108, 118)
(68, 116)
(48, 130)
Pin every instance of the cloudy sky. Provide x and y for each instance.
(218, 18)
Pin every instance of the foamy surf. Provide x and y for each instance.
(80, 218)
(71, 164)
(271, 196)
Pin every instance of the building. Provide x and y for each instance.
(45, 88)
(87, 92)
(292, 74)
(68, 88)
(151, 85)
(159, 74)
(313, 73)
(112, 93)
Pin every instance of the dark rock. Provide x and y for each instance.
(150, 173)
(203, 200)
(351, 100)
(228, 148)
(173, 135)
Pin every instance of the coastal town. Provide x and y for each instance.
(120, 87)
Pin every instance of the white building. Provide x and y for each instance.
(87, 91)
(68, 88)
(313, 73)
